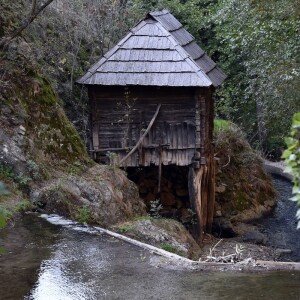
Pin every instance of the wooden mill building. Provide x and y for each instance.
(151, 99)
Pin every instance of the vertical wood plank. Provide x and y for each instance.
(96, 136)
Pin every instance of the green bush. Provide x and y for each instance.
(125, 228)
(220, 124)
(5, 215)
(84, 214)
(170, 248)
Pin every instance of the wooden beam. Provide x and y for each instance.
(143, 136)
(211, 193)
(195, 195)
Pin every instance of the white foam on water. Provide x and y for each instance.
(61, 221)
(58, 220)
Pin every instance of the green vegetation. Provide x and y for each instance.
(84, 214)
(170, 248)
(220, 124)
(256, 43)
(7, 173)
(76, 167)
(141, 218)
(24, 206)
(155, 208)
(5, 215)
(125, 228)
(292, 159)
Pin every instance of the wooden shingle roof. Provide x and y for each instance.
(156, 52)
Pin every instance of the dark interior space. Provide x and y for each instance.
(174, 195)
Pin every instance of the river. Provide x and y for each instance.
(280, 227)
(44, 261)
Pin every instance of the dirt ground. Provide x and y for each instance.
(233, 248)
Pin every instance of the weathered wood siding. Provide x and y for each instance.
(119, 120)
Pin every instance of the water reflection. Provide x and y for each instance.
(60, 263)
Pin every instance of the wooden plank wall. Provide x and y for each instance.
(120, 116)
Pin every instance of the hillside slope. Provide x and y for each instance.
(42, 157)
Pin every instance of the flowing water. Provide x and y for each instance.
(65, 261)
(281, 226)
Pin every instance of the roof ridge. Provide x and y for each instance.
(168, 36)
(188, 59)
(158, 12)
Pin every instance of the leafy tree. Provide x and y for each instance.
(259, 50)
(292, 159)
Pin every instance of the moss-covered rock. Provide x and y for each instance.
(243, 189)
(98, 195)
(167, 234)
(37, 141)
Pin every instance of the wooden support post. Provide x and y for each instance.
(202, 180)
(211, 193)
(159, 172)
(195, 195)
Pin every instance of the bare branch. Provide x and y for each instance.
(32, 16)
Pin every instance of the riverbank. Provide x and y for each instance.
(277, 168)
(271, 238)
(172, 260)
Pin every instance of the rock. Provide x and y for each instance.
(167, 234)
(186, 215)
(108, 195)
(217, 210)
(255, 237)
(218, 213)
(220, 189)
(24, 49)
(22, 130)
(222, 227)
(6, 110)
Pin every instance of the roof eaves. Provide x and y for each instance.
(91, 71)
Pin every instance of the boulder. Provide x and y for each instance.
(255, 237)
(167, 234)
(107, 195)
